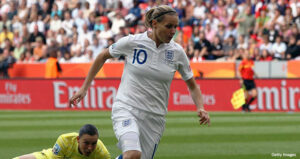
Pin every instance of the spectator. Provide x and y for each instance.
(7, 44)
(266, 45)
(293, 49)
(5, 22)
(231, 31)
(272, 7)
(281, 6)
(60, 35)
(296, 19)
(6, 62)
(87, 10)
(212, 20)
(209, 32)
(65, 45)
(18, 51)
(230, 44)
(80, 21)
(36, 33)
(278, 20)
(45, 13)
(123, 11)
(219, 9)
(85, 34)
(39, 49)
(106, 33)
(55, 23)
(261, 21)
(91, 21)
(217, 49)
(202, 48)
(278, 49)
(221, 31)
(271, 32)
(67, 23)
(66, 58)
(246, 23)
(38, 22)
(13, 10)
(199, 10)
(117, 22)
(134, 14)
(265, 56)
(23, 10)
(55, 11)
(6, 34)
(189, 50)
(65, 9)
(242, 42)
(97, 46)
(16, 24)
(189, 18)
(288, 17)
(75, 46)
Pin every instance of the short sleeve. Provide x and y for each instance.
(120, 47)
(184, 66)
(58, 148)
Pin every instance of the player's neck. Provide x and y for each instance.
(152, 36)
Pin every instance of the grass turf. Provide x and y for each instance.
(230, 136)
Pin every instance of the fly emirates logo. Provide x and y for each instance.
(96, 97)
(12, 96)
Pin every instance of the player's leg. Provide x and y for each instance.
(252, 93)
(151, 130)
(130, 145)
(244, 107)
(127, 133)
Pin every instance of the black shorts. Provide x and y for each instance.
(249, 84)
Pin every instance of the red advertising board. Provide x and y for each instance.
(41, 94)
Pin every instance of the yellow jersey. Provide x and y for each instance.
(66, 147)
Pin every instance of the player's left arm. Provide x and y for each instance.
(198, 100)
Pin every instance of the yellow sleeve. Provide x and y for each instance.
(59, 148)
(101, 151)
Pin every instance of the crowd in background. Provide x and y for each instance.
(78, 30)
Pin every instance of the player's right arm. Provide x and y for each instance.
(96, 66)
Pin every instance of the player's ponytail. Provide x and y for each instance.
(158, 13)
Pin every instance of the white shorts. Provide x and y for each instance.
(147, 125)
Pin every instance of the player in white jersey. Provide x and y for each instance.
(152, 58)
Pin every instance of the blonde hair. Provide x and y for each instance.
(158, 13)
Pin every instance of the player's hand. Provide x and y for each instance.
(77, 97)
(204, 117)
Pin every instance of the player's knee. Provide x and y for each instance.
(132, 154)
(254, 93)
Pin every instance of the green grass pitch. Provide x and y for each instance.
(230, 136)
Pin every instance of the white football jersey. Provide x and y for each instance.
(148, 72)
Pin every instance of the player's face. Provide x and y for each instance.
(87, 144)
(165, 30)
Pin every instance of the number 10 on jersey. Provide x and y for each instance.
(137, 58)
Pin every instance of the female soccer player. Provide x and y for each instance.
(152, 58)
(76, 146)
